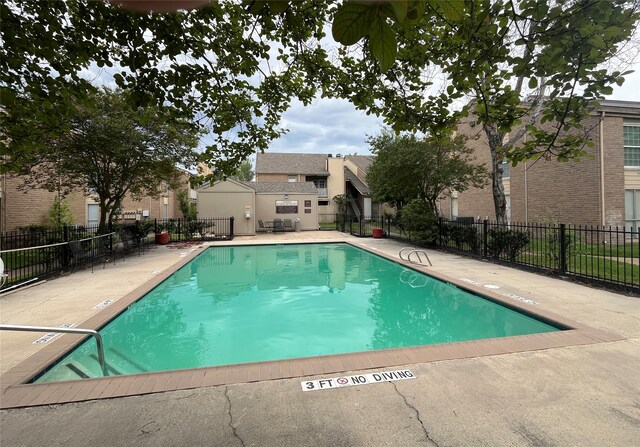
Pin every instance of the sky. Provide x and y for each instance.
(334, 126)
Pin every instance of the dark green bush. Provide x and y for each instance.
(461, 234)
(503, 241)
(419, 223)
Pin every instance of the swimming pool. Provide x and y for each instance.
(246, 304)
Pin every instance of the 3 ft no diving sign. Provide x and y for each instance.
(361, 379)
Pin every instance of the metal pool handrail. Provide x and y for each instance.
(417, 252)
(23, 328)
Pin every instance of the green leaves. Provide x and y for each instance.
(356, 20)
(382, 41)
(453, 10)
(352, 22)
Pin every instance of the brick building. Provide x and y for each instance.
(603, 188)
(19, 208)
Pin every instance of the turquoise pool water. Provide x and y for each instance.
(257, 303)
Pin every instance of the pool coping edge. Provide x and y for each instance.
(15, 393)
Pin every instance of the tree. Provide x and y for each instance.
(210, 65)
(531, 67)
(236, 66)
(244, 173)
(59, 214)
(109, 151)
(188, 209)
(408, 168)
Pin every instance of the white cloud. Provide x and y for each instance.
(329, 126)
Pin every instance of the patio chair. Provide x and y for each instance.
(262, 227)
(288, 225)
(130, 244)
(278, 225)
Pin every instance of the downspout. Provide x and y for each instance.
(526, 190)
(601, 141)
(526, 195)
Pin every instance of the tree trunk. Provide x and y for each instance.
(102, 226)
(497, 157)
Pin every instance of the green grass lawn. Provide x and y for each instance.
(328, 226)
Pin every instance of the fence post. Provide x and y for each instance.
(485, 236)
(155, 225)
(439, 232)
(231, 227)
(563, 249)
(65, 248)
(110, 237)
(179, 230)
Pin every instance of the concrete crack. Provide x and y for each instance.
(424, 429)
(235, 432)
(146, 432)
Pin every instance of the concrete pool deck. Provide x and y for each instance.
(576, 395)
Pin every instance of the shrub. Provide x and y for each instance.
(461, 234)
(508, 242)
(419, 222)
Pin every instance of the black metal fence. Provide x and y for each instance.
(362, 226)
(39, 256)
(40, 253)
(608, 256)
(209, 229)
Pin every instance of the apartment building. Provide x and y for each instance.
(332, 176)
(602, 188)
(21, 207)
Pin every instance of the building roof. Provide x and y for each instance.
(361, 161)
(618, 103)
(356, 182)
(283, 187)
(282, 163)
(625, 109)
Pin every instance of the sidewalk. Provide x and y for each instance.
(579, 395)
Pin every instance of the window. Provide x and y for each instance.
(454, 208)
(632, 209)
(320, 183)
(293, 178)
(286, 207)
(631, 145)
(323, 203)
(321, 186)
(506, 169)
(93, 214)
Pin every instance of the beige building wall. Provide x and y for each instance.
(226, 199)
(475, 202)
(266, 206)
(335, 184)
(354, 168)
